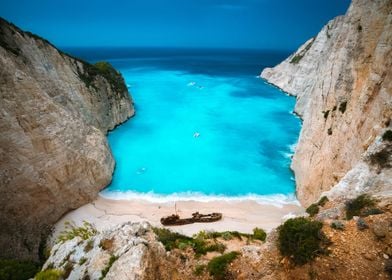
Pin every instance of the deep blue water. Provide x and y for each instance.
(205, 124)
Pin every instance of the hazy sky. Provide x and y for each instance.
(262, 24)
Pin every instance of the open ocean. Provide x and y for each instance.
(206, 127)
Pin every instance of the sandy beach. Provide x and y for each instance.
(241, 215)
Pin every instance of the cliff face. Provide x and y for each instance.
(342, 80)
(54, 113)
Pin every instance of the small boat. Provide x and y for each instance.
(196, 134)
(175, 220)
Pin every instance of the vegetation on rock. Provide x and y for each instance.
(217, 267)
(301, 240)
(387, 136)
(49, 274)
(382, 158)
(108, 266)
(199, 244)
(17, 270)
(313, 209)
(89, 73)
(297, 58)
(199, 269)
(337, 225)
(86, 231)
(259, 234)
(355, 207)
(342, 107)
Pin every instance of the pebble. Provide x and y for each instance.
(368, 256)
(385, 256)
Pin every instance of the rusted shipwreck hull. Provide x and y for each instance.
(174, 220)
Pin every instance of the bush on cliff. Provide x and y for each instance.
(105, 70)
(201, 246)
(355, 207)
(217, 267)
(301, 240)
(259, 234)
(313, 209)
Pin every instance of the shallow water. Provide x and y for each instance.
(204, 125)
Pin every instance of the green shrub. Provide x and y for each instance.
(387, 136)
(49, 274)
(17, 270)
(199, 243)
(382, 158)
(201, 247)
(372, 211)
(322, 201)
(217, 267)
(199, 269)
(259, 234)
(105, 70)
(342, 107)
(183, 245)
(337, 225)
(312, 210)
(361, 224)
(297, 58)
(108, 266)
(170, 239)
(354, 207)
(82, 260)
(301, 240)
(89, 246)
(86, 231)
(227, 235)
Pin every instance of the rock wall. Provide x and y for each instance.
(54, 113)
(342, 80)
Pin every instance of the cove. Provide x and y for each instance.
(205, 126)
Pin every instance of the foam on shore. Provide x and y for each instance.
(277, 200)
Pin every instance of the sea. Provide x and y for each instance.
(206, 127)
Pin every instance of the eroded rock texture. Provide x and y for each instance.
(127, 252)
(54, 113)
(342, 80)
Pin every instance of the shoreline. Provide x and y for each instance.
(238, 215)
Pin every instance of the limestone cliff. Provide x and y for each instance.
(54, 113)
(342, 80)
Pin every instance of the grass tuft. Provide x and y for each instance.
(86, 231)
(49, 274)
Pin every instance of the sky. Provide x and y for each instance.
(256, 24)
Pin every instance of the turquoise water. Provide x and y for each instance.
(208, 127)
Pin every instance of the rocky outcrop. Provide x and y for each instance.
(127, 252)
(54, 113)
(342, 80)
